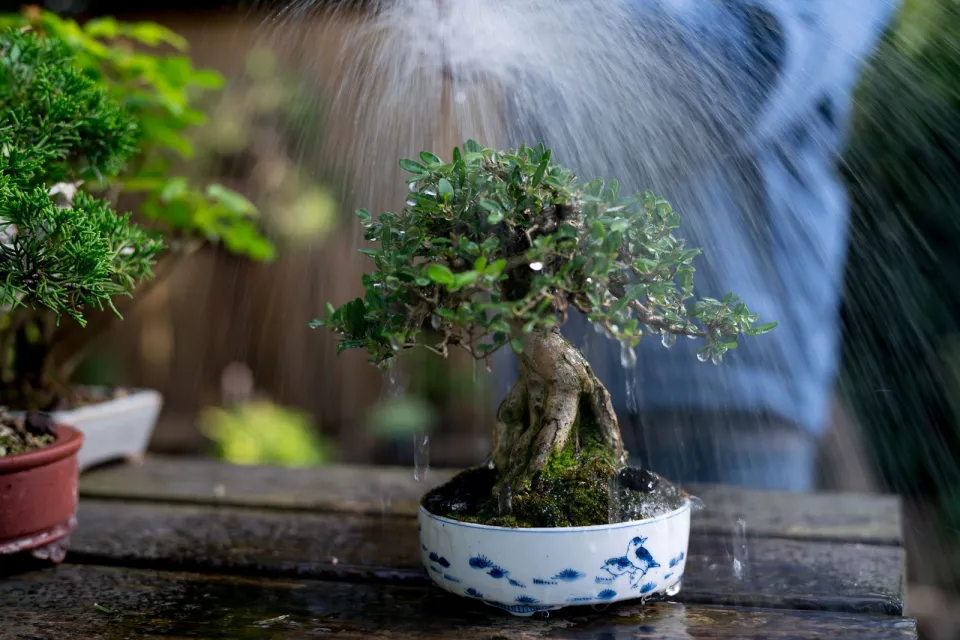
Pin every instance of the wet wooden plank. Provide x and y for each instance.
(793, 574)
(85, 602)
(363, 489)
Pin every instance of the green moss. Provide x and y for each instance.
(573, 490)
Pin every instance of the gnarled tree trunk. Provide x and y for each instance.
(557, 402)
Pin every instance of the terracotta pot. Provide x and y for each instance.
(38, 496)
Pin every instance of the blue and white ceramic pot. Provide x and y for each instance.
(526, 571)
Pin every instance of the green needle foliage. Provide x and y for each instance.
(495, 245)
(57, 128)
(62, 251)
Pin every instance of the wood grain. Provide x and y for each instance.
(77, 602)
(790, 574)
(839, 517)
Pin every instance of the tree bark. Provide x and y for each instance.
(557, 401)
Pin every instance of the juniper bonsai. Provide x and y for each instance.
(62, 251)
(494, 249)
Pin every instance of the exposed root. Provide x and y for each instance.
(556, 403)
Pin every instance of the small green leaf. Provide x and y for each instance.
(233, 201)
(496, 268)
(465, 279)
(369, 252)
(412, 166)
(440, 274)
(429, 159)
(541, 169)
(763, 328)
(517, 345)
(444, 190)
(480, 264)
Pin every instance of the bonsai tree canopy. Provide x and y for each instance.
(62, 250)
(493, 249)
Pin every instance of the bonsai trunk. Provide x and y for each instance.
(557, 415)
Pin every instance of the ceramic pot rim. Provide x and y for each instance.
(557, 530)
(67, 443)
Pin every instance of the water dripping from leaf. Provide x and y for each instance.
(667, 339)
(536, 266)
(673, 589)
(633, 406)
(628, 357)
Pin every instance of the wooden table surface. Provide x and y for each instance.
(194, 548)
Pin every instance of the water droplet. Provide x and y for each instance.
(394, 343)
(673, 589)
(490, 465)
(505, 499)
(410, 203)
(691, 337)
(740, 549)
(614, 511)
(413, 186)
(435, 321)
(633, 406)
(628, 357)
(599, 328)
(703, 356)
(696, 504)
(667, 339)
(717, 359)
(536, 266)
(421, 456)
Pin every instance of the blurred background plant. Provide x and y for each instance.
(254, 141)
(261, 432)
(902, 308)
(162, 89)
(252, 429)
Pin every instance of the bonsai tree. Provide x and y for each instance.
(493, 250)
(63, 251)
(158, 93)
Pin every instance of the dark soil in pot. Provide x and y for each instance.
(23, 435)
(585, 497)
